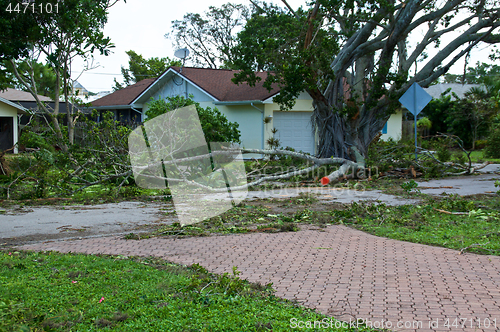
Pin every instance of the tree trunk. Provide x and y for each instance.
(330, 128)
(474, 136)
(339, 133)
(347, 129)
(55, 113)
(71, 123)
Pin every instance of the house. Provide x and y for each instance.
(26, 100)
(251, 107)
(23, 98)
(9, 124)
(122, 102)
(94, 96)
(79, 90)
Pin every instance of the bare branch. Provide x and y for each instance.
(289, 8)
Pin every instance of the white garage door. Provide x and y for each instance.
(294, 130)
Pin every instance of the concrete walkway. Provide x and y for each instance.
(341, 272)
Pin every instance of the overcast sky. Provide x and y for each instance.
(141, 25)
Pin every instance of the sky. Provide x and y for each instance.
(141, 25)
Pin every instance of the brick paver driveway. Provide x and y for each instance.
(341, 272)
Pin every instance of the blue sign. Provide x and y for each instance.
(415, 99)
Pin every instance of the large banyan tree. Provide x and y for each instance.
(356, 58)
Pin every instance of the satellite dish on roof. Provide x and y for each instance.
(182, 53)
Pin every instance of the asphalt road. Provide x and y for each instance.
(33, 224)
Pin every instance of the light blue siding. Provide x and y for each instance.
(250, 124)
(177, 86)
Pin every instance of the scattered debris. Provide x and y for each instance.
(440, 187)
(454, 213)
(404, 173)
(472, 246)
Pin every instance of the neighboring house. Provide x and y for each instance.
(100, 94)
(9, 124)
(79, 91)
(23, 98)
(26, 100)
(121, 102)
(251, 107)
(459, 89)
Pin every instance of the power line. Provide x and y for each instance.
(102, 74)
(475, 75)
(119, 74)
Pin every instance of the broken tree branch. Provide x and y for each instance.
(453, 213)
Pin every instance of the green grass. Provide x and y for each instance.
(478, 157)
(477, 230)
(66, 292)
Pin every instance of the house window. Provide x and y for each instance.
(384, 130)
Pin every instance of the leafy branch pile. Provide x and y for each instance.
(97, 164)
(440, 155)
(99, 161)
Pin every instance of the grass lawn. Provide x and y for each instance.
(474, 225)
(478, 157)
(67, 292)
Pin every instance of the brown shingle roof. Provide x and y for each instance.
(18, 95)
(216, 82)
(124, 96)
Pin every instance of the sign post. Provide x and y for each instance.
(415, 99)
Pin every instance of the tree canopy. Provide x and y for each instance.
(210, 36)
(471, 115)
(140, 68)
(45, 78)
(356, 58)
(482, 73)
(74, 31)
(18, 31)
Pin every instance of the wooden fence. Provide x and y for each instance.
(408, 131)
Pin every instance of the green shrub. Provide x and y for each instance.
(481, 144)
(34, 140)
(460, 157)
(214, 124)
(443, 153)
(492, 149)
(426, 144)
(435, 110)
(410, 186)
(424, 123)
